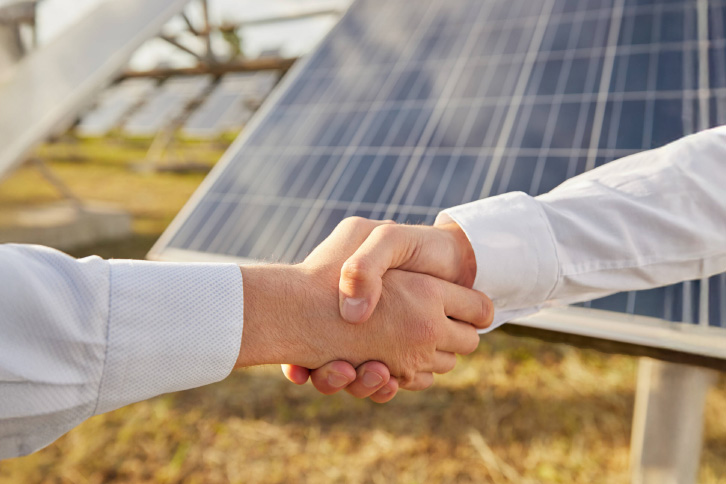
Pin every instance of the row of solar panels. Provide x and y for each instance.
(143, 107)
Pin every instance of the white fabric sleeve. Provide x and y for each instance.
(82, 337)
(650, 219)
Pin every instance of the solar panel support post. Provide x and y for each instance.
(11, 46)
(667, 432)
(182, 47)
(207, 33)
(56, 182)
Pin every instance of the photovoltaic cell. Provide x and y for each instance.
(408, 108)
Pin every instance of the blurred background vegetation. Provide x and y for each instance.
(517, 410)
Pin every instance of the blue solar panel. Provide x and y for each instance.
(411, 107)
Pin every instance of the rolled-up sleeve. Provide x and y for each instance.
(82, 337)
(650, 219)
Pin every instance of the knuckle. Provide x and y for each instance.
(355, 270)
(386, 231)
(352, 223)
(472, 342)
(485, 312)
(406, 378)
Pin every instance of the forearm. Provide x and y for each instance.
(647, 220)
(81, 337)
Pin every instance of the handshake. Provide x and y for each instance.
(375, 307)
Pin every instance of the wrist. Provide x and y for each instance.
(291, 317)
(464, 253)
(271, 297)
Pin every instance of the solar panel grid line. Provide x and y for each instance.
(608, 63)
(502, 107)
(439, 111)
(526, 113)
(593, 69)
(412, 189)
(266, 170)
(241, 239)
(444, 151)
(652, 79)
(472, 113)
(379, 158)
(526, 99)
(392, 181)
(177, 226)
(687, 297)
(703, 123)
(557, 104)
(298, 238)
(332, 164)
(382, 152)
(320, 221)
(688, 73)
(273, 224)
(626, 34)
(704, 90)
(674, 7)
(615, 117)
(247, 223)
(584, 52)
(648, 128)
(688, 287)
(193, 240)
(516, 100)
(205, 231)
(717, 64)
(464, 134)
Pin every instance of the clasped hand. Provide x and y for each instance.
(392, 300)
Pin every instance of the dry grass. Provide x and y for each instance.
(517, 410)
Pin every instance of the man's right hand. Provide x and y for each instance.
(292, 316)
(442, 251)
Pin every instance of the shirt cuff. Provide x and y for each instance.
(517, 264)
(170, 327)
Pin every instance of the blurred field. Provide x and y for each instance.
(517, 410)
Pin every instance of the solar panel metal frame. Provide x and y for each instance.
(604, 330)
(42, 96)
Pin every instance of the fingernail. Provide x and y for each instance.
(371, 380)
(337, 380)
(384, 391)
(354, 308)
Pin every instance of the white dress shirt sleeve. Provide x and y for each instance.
(82, 337)
(650, 219)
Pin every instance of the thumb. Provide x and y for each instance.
(388, 246)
